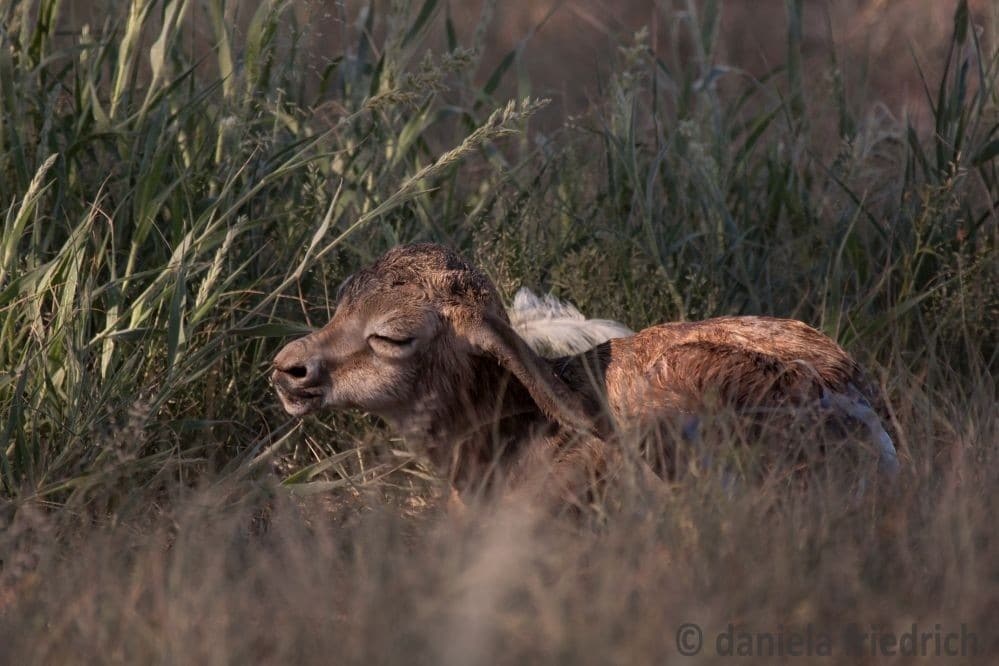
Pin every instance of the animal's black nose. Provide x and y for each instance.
(296, 368)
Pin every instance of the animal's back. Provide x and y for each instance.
(727, 361)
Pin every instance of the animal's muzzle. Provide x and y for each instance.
(299, 376)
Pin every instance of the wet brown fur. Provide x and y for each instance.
(739, 362)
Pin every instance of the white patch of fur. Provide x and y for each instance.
(554, 328)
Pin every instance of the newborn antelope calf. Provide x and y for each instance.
(421, 339)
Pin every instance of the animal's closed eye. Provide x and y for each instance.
(401, 341)
(391, 346)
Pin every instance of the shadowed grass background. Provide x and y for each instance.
(185, 183)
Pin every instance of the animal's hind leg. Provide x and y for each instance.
(855, 407)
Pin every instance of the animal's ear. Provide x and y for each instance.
(491, 336)
(343, 287)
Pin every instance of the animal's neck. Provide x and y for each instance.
(474, 436)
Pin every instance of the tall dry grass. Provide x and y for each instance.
(237, 572)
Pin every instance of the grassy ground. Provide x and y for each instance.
(171, 214)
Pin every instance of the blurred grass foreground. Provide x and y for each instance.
(183, 184)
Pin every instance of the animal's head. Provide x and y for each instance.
(419, 316)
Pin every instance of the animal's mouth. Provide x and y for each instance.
(299, 402)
